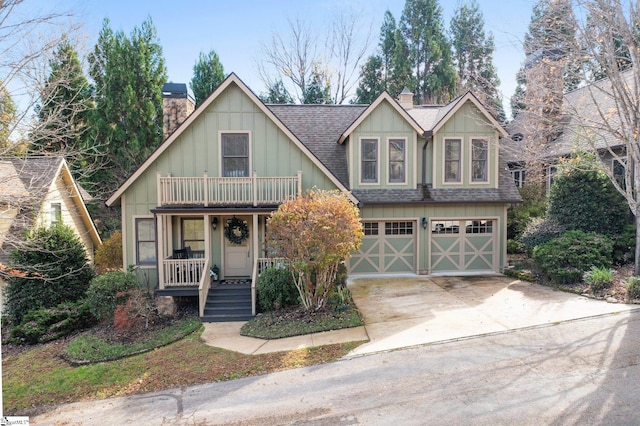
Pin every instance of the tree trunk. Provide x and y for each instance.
(636, 258)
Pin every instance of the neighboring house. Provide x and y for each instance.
(588, 120)
(430, 182)
(36, 192)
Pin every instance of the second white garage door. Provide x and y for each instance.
(464, 246)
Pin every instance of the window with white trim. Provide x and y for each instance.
(398, 228)
(193, 233)
(479, 163)
(452, 157)
(145, 233)
(369, 160)
(397, 155)
(56, 213)
(235, 154)
(370, 228)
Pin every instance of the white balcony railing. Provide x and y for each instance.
(227, 191)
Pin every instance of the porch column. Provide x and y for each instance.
(207, 237)
(160, 221)
(256, 239)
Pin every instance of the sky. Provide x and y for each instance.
(235, 28)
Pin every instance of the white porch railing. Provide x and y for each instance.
(203, 288)
(260, 265)
(211, 191)
(184, 272)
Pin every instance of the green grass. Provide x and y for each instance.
(279, 324)
(87, 349)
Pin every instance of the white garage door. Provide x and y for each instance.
(387, 247)
(464, 245)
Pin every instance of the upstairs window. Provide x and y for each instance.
(235, 154)
(452, 153)
(479, 155)
(56, 213)
(397, 157)
(369, 160)
(519, 176)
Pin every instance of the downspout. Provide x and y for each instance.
(428, 134)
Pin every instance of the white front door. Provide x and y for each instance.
(238, 258)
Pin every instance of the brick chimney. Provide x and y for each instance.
(406, 98)
(177, 105)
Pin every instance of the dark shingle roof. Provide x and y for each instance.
(581, 109)
(319, 127)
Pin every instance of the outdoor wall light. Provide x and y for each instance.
(425, 222)
(214, 223)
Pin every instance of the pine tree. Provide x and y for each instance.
(473, 57)
(7, 118)
(208, 73)
(401, 76)
(128, 73)
(551, 36)
(429, 51)
(63, 114)
(318, 91)
(277, 94)
(372, 83)
(387, 46)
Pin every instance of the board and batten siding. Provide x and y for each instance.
(197, 149)
(384, 123)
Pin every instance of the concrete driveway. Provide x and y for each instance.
(407, 311)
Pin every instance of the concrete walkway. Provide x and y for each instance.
(401, 312)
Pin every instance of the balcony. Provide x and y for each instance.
(227, 191)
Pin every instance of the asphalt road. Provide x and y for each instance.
(574, 373)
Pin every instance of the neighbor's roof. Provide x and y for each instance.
(591, 107)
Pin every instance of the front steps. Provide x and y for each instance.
(228, 302)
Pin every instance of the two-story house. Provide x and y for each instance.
(430, 183)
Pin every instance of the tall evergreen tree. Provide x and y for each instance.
(401, 75)
(128, 73)
(319, 90)
(277, 94)
(208, 73)
(429, 51)
(7, 118)
(387, 45)
(63, 113)
(551, 34)
(372, 82)
(473, 57)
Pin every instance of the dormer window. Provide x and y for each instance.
(397, 156)
(56, 213)
(452, 158)
(369, 160)
(517, 137)
(479, 157)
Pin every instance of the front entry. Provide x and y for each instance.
(238, 258)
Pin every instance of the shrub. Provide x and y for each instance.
(534, 204)
(276, 289)
(53, 269)
(102, 295)
(46, 324)
(340, 297)
(598, 278)
(539, 231)
(624, 246)
(109, 254)
(515, 247)
(586, 200)
(565, 259)
(633, 287)
(135, 310)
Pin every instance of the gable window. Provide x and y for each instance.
(369, 160)
(145, 241)
(479, 155)
(56, 213)
(193, 234)
(452, 152)
(235, 154)
(397, 154)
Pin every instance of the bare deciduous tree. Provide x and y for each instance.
(294, 56)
